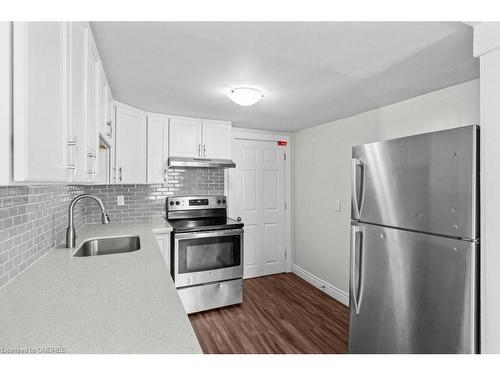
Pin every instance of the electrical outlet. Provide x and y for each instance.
(120, 200)
(338, 205)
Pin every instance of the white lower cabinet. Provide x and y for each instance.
(157, 148)
(163, 241)
(130, 145)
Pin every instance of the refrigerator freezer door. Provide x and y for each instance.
(425, 182)
(411, 292)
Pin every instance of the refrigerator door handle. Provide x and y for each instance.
(357, 295)
(354, 187)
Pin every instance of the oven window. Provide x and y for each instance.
(205, 254)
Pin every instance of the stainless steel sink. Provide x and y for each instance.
(110, 245)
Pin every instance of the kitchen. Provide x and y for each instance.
(165, 192)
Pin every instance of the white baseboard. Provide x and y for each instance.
(329, 289)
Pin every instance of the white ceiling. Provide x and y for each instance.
(311, 72)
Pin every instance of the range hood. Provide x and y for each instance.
(199, 163)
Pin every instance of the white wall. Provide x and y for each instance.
(5, 102)
(322, 169)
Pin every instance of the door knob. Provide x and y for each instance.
(238, 218)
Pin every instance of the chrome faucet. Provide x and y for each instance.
(70, 232)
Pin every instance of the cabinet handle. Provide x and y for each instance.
(199, 150)
(92, 170)
(165, 174)
(120, 174)
(205, 151)
(110, 129)
(74, 166)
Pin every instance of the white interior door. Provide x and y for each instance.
(257, 195)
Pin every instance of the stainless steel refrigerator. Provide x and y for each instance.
(415, 244)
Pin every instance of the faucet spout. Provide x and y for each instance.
(70, 231)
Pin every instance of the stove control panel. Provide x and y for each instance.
(196, 202)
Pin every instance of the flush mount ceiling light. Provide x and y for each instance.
(245, 96)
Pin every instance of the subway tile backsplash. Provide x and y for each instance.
(145, 201)
(33, 219)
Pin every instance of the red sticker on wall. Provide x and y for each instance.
(282, 143)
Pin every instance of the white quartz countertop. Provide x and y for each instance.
(117, 303)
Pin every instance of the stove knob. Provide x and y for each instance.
(171, 203)
(223, 201)
(218, 201)
(177, 203)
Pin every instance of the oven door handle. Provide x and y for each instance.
(218, 233)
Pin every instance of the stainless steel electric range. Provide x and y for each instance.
(207, 252)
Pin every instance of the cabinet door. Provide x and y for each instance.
(157, 148)
(111, 114)
(105, 128)
(5, 103)
(216, 140)
(109, 117)
(185, 138)
(40, 98)
(92, 108)
(163, 241)
(101, 107)
(77, 127)
(130, 145)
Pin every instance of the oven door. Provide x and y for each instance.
(204, 257)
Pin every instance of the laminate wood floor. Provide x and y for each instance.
(280, 314)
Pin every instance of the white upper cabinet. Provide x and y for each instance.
(217, 140)
(101, 118)
(110, 112)
(185, 138)
(77, 127)
(61, 98)
(93, 72)
(157, 148)
(200, 138)
(40, 101)
(5, 103)
(62, 103)
(130, 145)
(105, 106)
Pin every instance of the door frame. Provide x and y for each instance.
(269, 136)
